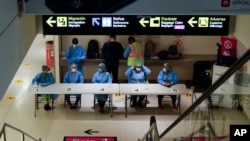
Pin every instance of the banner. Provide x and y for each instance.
(228, 46)
(190, 7)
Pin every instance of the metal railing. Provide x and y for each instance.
(24, 135)
(152, 133)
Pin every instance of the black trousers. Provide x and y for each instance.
(173, 97)
(67, 97)
(135, 101)
(101, 103)
(112, 68)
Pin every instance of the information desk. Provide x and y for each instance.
(84, 88)
(225, 89)
(152, 89)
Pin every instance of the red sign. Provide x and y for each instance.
(81, 138)
(228, 46)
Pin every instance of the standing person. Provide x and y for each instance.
(112, 52)
(75, 54)
(44, 79)
(73, 76)
(137, 74)
(134, 52)
(167, 77)
(101, 76)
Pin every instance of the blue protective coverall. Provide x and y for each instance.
(76, 55)
(163, 78)
(137, 77)
(73, 77)
(101, 77)
(43, 80)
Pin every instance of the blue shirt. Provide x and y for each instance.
(75, 55)
(137, 77)
(127, 51)
(43, 79)
(171, 77)
(73, 77)
(102, 77)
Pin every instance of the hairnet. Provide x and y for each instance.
(138, 63)
(102, 66)
(45, 68)
(168, 66)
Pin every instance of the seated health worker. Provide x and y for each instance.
(137, 74)
(167, 77)
(73, 76)
(101, 76)
(43, 79)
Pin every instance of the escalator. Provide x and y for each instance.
(199, 123)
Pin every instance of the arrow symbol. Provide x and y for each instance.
(95, 21)
(191, 22)
(50, 22)
(143, 22)
(90, 131)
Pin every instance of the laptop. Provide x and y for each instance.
(86, 6)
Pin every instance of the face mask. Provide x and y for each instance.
(74, 45)
(138, 69)
(164, 69)
(73, 69)
(99, 70)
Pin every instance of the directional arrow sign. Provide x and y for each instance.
(143, 22)
(191, 22)
(90, 131)
(50, 21)
(95, 21)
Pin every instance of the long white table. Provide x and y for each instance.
(152, 89)
(84, 88)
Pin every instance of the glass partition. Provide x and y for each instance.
(214, 111)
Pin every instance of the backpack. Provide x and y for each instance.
(93, 49)
(172, 50)
(163, 54)
(149, 49)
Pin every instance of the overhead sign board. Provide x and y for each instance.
(135, 25)
(128, 7)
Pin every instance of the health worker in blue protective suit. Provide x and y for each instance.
(73, 76)
(167, 77)
(75, 54)
(137, 74)
(101, 76)
(43, 79)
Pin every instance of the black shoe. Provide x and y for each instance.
(240, 108)
(72, 107)
(101, 110)
(47, 107)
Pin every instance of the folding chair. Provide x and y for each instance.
(72, 99)
(39, 99)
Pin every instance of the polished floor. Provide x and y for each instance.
(17, 109)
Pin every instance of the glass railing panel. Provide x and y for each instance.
(229, 104)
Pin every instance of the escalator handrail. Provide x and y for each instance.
(235, 66)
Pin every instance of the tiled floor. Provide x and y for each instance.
(17, 109)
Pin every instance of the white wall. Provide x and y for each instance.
(242, 29)
(15, 41)
(190, 44)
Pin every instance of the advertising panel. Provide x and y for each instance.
(128, 7)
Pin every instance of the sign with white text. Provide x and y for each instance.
(135, 25)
